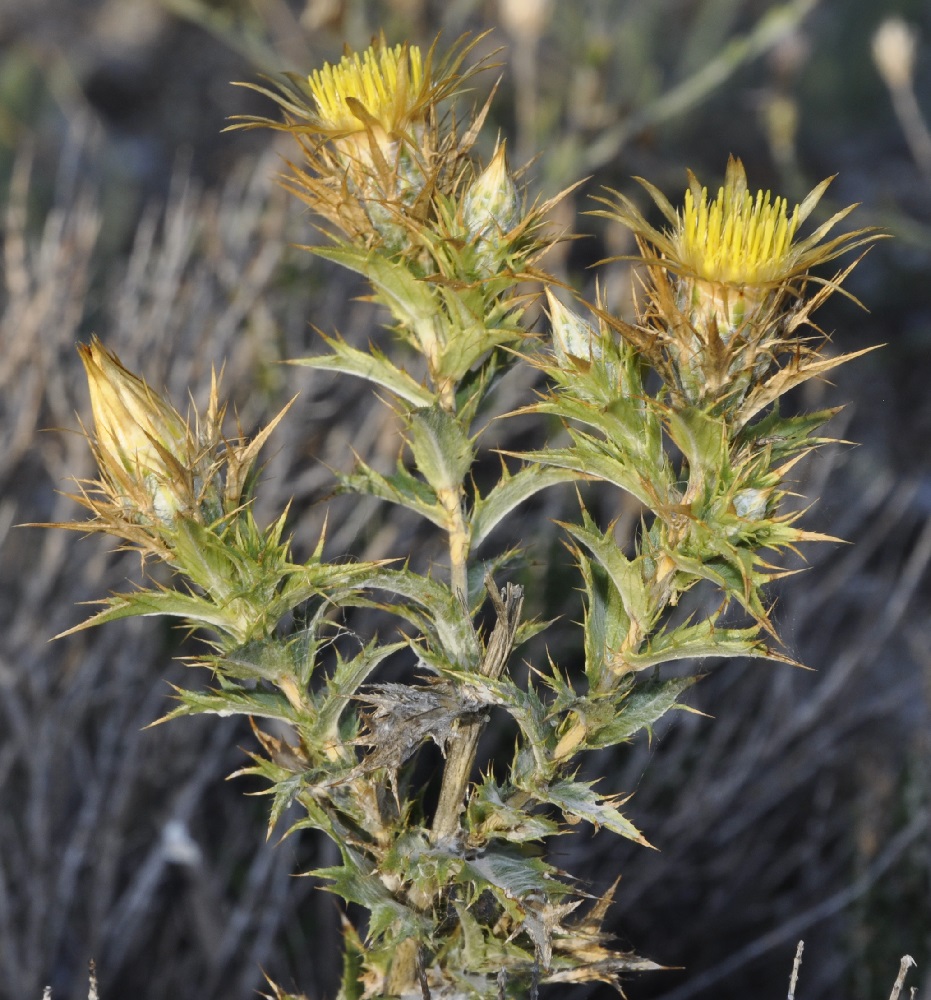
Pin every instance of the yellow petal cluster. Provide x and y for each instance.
(737, 238)
(387, 83)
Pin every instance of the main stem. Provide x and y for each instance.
(404, 966)
(461, 754)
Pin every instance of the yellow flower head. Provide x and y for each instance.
(727, 281)
(384, 87)
(375, 143)
(739, 239)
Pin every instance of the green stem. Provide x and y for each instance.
(460, 542)
(462, 753)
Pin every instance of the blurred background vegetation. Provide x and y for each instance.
(801, 810)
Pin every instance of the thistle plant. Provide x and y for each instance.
(680, 409)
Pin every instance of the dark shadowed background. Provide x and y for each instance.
(799, 809)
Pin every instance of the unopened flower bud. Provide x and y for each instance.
(572, 336)
(492, 203)
(752, 503)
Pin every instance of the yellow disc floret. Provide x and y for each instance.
(737, 239)
(387, 82)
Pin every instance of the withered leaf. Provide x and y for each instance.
(404, 716)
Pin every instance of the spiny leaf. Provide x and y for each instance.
(702, 639)
(401, 488)
(232, 701)
(356, 882)
(342, 686)
(446, 619)
(627, 575)
(592, 459)
(512, 490)
(702, 439)
(607, 624)
(371, 365)
(515, 875)
(441, 448)
(410, 300)
(578, 800)
(640, 709)
(490, 815)
(146, 603)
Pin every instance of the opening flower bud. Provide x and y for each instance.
(725, 277)
(381, 90)
(141, 438)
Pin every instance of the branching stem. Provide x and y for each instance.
(462, 753)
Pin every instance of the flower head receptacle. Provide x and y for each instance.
(726, 279)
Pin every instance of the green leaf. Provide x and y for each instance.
(341, 687)
(593, 459)
(578, 800)
(476, 323)
(629, 426)
(446, 621)
(357, 882)
(702, 439)
(331, 581)
(786, 436)
(401, 488)
(371, 365)
(233, 701)
(627, 575)
(479, 382)
(643, 706)
(428, 870)
(441, 447)
(262, 660)
(490, 815)
(731, 569)
(409, 299)
(701, 640)
(147, 603)
(512, 490)
(514, 875)
(606, 625)
(354, 955)
(285, 786)
(534, 756)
